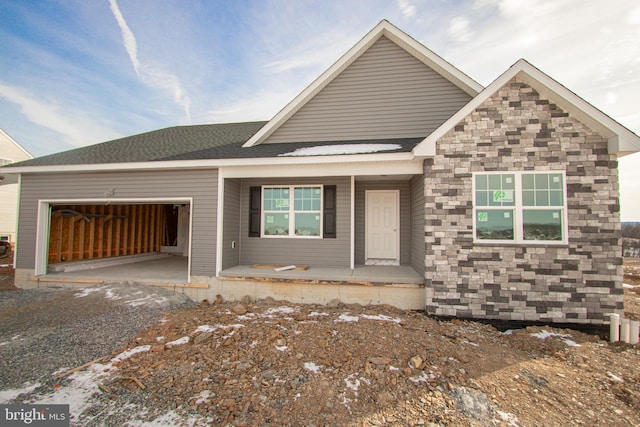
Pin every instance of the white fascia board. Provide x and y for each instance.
(432, 59)
(282, 161)
(621, 140)
(390, 168)
(384, 28)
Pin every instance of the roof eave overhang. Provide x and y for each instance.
(621, 141)
(282, 161)
(386, 29)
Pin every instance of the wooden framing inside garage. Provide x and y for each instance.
(85, 232)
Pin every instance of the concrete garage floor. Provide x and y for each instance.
(159, 269)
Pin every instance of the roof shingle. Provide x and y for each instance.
(195, 142)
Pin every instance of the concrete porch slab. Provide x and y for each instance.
(369, 274)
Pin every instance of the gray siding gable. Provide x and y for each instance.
(385, 93)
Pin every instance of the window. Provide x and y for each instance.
(292, 211)
(520, 207)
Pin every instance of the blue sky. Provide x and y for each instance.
(78, 72)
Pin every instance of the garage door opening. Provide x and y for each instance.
(142, 240)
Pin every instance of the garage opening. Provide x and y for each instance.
(98, 236)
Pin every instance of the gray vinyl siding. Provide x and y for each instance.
(418, 247)
(287, 251)
(199, 184)
(405, 217)
(385, 93)
(231, 231)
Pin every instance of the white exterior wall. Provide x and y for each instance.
(9, 189)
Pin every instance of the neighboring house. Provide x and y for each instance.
(10, 152)
(394, 177)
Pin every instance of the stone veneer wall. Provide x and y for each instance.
(516, 130)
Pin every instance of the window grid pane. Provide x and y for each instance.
(542, 224)
(495, 224)
(495, 190)
(276, 224)
(307, 198)
(542, 189)
(307, 224)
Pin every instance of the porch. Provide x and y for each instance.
(361, 275)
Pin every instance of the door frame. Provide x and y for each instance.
(43, 223)
(374, 261)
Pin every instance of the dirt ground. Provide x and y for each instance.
(270, 362)
(6, 272)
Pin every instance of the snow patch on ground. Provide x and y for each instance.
(202, 397)
(281, 310)
(354, 381)
(77, 392)
(329, 150)
(546, 334)
(179, 341)
(347, 318)
(7, 395)
(510, 419)
(381, 317)
(316, 314)
(127, 354)
(422, 378)
(310, 366)
(88, 291)
(206, 328)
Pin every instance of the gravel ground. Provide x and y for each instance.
(43, 331)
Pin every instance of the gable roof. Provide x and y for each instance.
(383, 29)
(621, 141)
(201, 143)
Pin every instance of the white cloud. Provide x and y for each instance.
(128, 38)
(76, 129)
(152, 75)
(253, 106)
(459, 29)
(408, 10)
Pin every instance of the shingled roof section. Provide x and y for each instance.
(152, 146)
(196, 142)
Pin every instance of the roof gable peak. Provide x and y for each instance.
(621, 140)
(383, 29)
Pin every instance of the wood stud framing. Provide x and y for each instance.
(105, 231)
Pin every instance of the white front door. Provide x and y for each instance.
(382, 227)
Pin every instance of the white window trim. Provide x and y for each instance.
(518, 232)
(291, 212)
